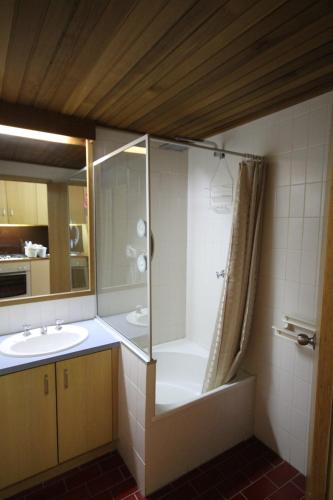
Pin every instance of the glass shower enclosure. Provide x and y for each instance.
(163, 219)
(124, 247)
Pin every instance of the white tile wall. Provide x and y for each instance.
(208, 236)
(296, 141)
(135, 408)
(46, 312)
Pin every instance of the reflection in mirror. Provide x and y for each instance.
(44, 241)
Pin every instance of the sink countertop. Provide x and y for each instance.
(99, 339)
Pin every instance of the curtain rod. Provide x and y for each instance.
(204, 144)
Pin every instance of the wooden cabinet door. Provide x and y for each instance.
(40, 277)
(28, 427)
(41, 201)
(84, 399)
(76, 199)
(3, 203)
(21, 202)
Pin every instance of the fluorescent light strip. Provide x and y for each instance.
(39, 136)
(134, 149)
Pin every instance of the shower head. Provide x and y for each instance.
(171, 146)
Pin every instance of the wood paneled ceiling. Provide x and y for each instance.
(42, 152)
(187, 68)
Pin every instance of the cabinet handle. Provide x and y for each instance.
(11, 213)
(66, 378)
(3, 212)
(46, 384)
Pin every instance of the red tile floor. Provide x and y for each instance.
(249, 471)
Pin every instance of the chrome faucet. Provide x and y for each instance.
(27, 331)
(59, 322)
(43, 330)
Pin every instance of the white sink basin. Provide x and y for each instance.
(37, 344)
(138, 318)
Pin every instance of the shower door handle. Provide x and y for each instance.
(152, 245)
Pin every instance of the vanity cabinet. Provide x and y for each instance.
(53, 413)
(84, 399)
(28, 424)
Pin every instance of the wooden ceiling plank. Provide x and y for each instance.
(27, 14)
(297, 94)
(292, 80)
(86, 15)
(319, 87)
(68, 96)
(234, 64)
(6, 19)
(124, 49)
(57, 18)
(263, 76)
(248, 62)
(201, 22)
(190, 56)
(248, 28)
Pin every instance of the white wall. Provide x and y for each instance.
(46, 312)
(208, 236)
(296, 141)
(107, 140)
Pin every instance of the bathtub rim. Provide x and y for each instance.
(241, 379)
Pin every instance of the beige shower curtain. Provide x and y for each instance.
(234, 318)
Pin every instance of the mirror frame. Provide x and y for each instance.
(91, 290)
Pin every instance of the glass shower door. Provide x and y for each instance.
(123, 242)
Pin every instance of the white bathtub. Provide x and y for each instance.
(190, 428)
(180, 371)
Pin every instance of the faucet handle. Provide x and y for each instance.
(26, 329)
(59, 322)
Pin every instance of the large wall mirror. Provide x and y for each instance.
(45, 219)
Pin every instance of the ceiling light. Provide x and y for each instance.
(39, 136)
